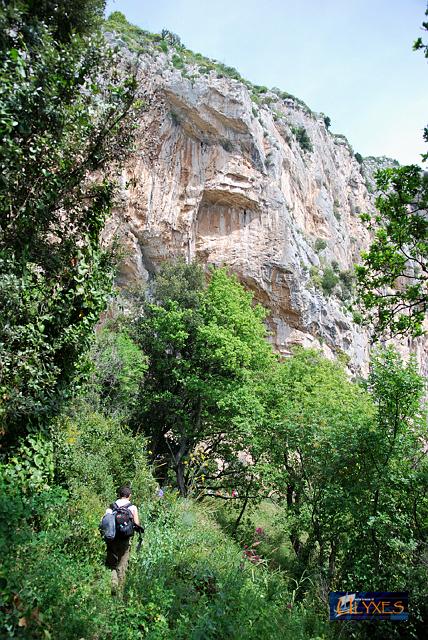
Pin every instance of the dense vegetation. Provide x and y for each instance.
(63, 108)
(281, 479)
(393, 277)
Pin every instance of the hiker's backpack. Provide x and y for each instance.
(124, 520)
(108, 526)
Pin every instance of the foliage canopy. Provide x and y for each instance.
(392, 280)
(63, 107)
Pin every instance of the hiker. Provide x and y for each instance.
(118, 548)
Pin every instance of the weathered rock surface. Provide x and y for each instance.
(223, 180)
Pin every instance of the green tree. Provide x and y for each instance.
(118, 370)
(392, 281)
(204, 345)
(312, 445)
(391, 524)
(349, 466)
(64, 107)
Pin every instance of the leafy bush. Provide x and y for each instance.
(229, 72)
(347, 280)
(101, 451)
(302, 138)
(329, 280)
(171, 38)
(315, 276)
(320, 244)
(31, 465)
(119, 367)
(177, 61)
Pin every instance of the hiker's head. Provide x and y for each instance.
(124, 492)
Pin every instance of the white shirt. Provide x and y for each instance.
(121, 502)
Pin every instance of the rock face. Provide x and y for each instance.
(260, 186)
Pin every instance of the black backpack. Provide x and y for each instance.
(124, 520)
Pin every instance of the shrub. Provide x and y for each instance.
(119, 367)
(328, 281)
(171, 38)
(347, 279)
(327, 122)
(359, 158)
(101, 451)
(315, 276)
(177, 62)
(260, 89)
(357, 317)
(302, 138)
(229, 72)
(320, 245)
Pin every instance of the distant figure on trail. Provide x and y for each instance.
(125, 521)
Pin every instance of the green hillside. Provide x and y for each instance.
(263, 483)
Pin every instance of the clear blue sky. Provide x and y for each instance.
(351, 59)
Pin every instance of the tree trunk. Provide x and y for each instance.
(296, 544)
(332, 563)
(244, 506)
(179, 466)
(180, 479)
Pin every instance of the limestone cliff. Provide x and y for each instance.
(231, 174)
